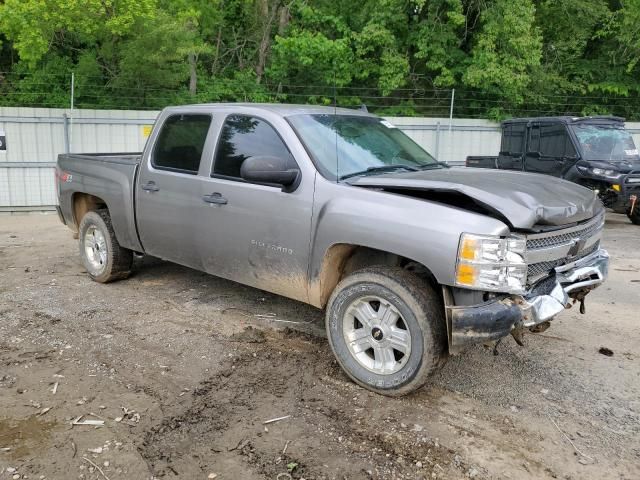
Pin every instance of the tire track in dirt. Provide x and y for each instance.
(328, 437)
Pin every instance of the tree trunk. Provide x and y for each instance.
(262, 56)
(193, 74)
(284, 20)
(214, 67)
(265, 43)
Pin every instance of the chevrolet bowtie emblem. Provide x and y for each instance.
(576, 247)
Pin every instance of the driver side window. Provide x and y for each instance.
(242, 137)
(555, 141)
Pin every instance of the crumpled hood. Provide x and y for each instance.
(524, 199)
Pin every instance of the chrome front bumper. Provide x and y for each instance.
(571, 281)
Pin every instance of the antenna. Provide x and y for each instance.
(335, 121)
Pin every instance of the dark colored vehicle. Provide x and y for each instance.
(596, 152)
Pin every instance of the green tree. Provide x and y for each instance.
(37, 26)
(503, 57)
(507, 48)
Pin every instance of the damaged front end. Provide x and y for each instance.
(563, 267)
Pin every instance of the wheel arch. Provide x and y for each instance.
(341, 259)
(82, 203)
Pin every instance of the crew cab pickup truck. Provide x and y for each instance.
(411, 260)
(596, 152)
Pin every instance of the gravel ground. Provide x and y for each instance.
(184, 369)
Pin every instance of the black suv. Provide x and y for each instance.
(596, 152)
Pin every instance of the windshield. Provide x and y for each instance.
(344, 145)
(609, 143)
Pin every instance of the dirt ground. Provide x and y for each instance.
(185, 368)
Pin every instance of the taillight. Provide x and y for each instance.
(62, 176)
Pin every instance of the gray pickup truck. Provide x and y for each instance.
(412, 260)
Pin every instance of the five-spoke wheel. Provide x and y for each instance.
(376, 335)
(386, 327)
(95, 248)
(102, 255)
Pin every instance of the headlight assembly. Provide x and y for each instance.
(605, 172)
(491, 263)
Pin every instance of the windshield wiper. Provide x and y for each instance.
(431, 166)
(380, 169)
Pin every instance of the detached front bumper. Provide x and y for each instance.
(499, 316)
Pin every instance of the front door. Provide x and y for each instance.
(254, 234)
(550, 149)
(167, 194)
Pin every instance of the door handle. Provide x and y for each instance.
(150, 187)
(216, 198)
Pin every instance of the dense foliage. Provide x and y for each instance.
(502, 57)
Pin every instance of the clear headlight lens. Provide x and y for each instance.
(604, 172)
(491, 263)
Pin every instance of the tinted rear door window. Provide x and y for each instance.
(513, 140)
(180, 143)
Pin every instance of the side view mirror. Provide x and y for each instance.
(533, 154)
(267, 169)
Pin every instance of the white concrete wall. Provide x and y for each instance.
(452, 144)
(35, 137)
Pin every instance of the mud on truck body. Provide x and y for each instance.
(411, 260)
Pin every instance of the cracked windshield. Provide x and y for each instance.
(599, 142)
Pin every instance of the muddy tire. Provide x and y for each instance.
(102, 255)
(386, 328)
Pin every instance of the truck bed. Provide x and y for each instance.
(481, 162)
(109, 177)
(121, 158)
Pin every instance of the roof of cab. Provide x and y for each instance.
(598, 119)
(281, 109)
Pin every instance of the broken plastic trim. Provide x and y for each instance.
(497, 318)
(571, 281)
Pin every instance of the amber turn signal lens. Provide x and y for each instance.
(466, 274)
(468, 249)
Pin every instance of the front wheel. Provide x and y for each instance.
(386, 328)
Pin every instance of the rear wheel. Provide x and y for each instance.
(102, 255)
(386, 327)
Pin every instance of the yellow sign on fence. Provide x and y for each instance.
(146, 130)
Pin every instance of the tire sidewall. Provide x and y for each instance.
(95, 220)
(335, 320)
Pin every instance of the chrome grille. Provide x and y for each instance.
(538, 270)
(553, 240)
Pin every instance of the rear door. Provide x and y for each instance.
(255, 234)
(167, 191)
(550, 149)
